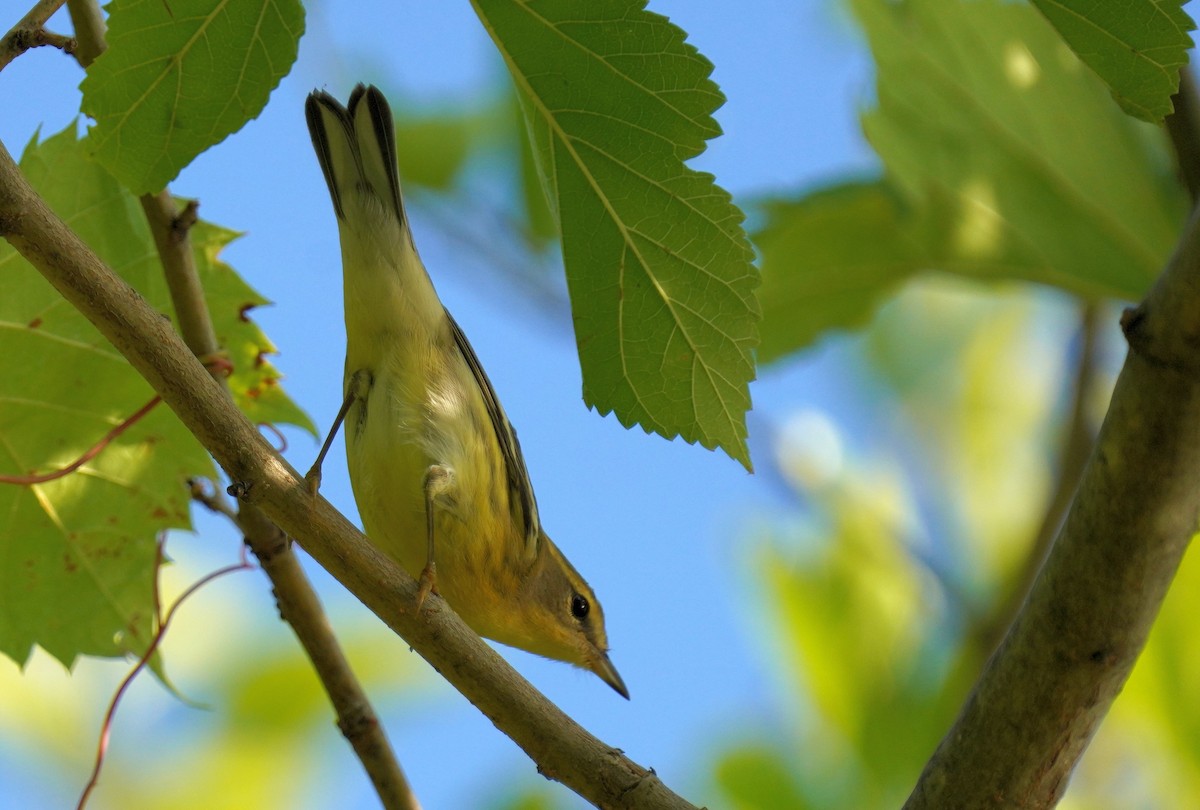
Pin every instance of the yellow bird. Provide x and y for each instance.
(434, 463)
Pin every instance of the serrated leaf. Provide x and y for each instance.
(1017, 159)
(254, 382)
(828, 260)
(77, 554)
(180, 76)
(658, 267)
(1137, 47)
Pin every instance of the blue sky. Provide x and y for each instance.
(663, 531)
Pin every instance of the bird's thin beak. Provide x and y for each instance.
(608, 673)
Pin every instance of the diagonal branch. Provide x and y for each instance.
(562, 749)
(1085, 621)
(297, 599)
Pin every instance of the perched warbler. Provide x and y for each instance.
(434, 463)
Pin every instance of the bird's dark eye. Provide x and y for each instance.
(580, 607)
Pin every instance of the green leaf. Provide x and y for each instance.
(433, 148)
(1137, 47)
(658, 267)
(180, 76)
(1017, 160)
(756, 777)
(1004, 162)
(828, 260)
(254, 382)
(77, 554)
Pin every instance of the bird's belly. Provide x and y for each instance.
(386, 471)
(388, 453)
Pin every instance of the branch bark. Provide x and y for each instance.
(1076, 449)
(1086, 618)
(1183, 126)
(297, 600)
(30, 32)
(563, 750)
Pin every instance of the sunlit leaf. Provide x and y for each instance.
(78, 551)
(658, 267)
(180, 76)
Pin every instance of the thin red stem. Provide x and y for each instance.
(106, 726)
(92, 452)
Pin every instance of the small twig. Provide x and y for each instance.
(1183, 126)
(170, 228)
(298, 603)
(211, 499)
(300, 607)
(90, 30)
(30, 32)
(89, 454)
(163, 623)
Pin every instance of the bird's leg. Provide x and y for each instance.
(356, 388)
(438, 481)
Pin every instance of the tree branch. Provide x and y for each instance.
(30, 32)
(1085, 621)
(563, 750)
(1076, 449)
(1183, 126)
(297, 600)
(300, 607)
(90, 30)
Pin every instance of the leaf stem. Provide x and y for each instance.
(90, 30)
(151, 648)
(89, 454)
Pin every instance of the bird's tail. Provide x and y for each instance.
(356, 146)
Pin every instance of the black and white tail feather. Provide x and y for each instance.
(356, 147)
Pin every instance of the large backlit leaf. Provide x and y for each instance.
(828, 260)
(659, 270)
(76, 554)
(180, 76)
(1006, 161)
(1016, 148)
